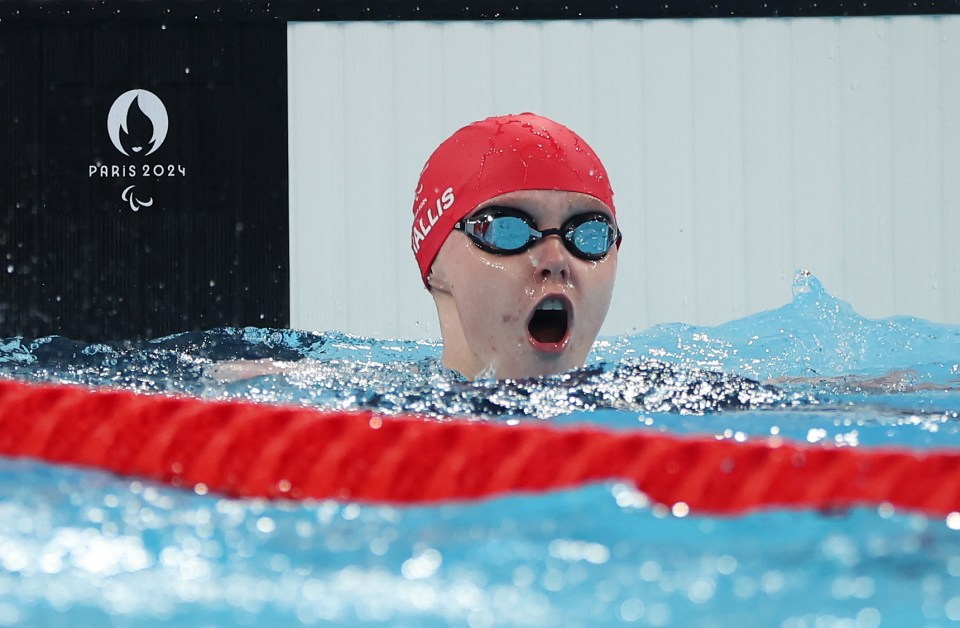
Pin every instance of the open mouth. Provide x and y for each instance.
(550, 322)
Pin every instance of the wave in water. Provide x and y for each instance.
(814, 349)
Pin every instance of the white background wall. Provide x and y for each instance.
(739, 151)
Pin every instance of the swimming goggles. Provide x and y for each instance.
(508, 231)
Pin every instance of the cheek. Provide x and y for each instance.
(490, 303)
(487, 308)
(599, 291)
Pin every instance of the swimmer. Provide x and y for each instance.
(516, 238)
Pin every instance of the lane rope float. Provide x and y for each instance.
(246, 449)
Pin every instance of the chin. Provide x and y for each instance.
(539, 365)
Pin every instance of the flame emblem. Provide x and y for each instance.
(128, 107)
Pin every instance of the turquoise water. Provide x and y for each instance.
(82, 547)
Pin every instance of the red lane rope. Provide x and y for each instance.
(253, 450)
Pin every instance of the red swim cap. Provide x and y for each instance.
(492, 157)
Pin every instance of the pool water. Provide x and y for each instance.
(83, 547)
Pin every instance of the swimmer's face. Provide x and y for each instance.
(533, 313)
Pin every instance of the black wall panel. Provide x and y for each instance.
(200, 239)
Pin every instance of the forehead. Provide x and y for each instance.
(548, 205)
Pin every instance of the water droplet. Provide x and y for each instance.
(266, 525)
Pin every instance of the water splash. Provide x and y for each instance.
(812, 348)
(815, 335)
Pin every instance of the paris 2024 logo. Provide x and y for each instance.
(137, 124)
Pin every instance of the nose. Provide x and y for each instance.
(551, 260)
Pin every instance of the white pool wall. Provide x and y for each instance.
(739, 149)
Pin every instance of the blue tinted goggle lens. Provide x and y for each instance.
(507, 231)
